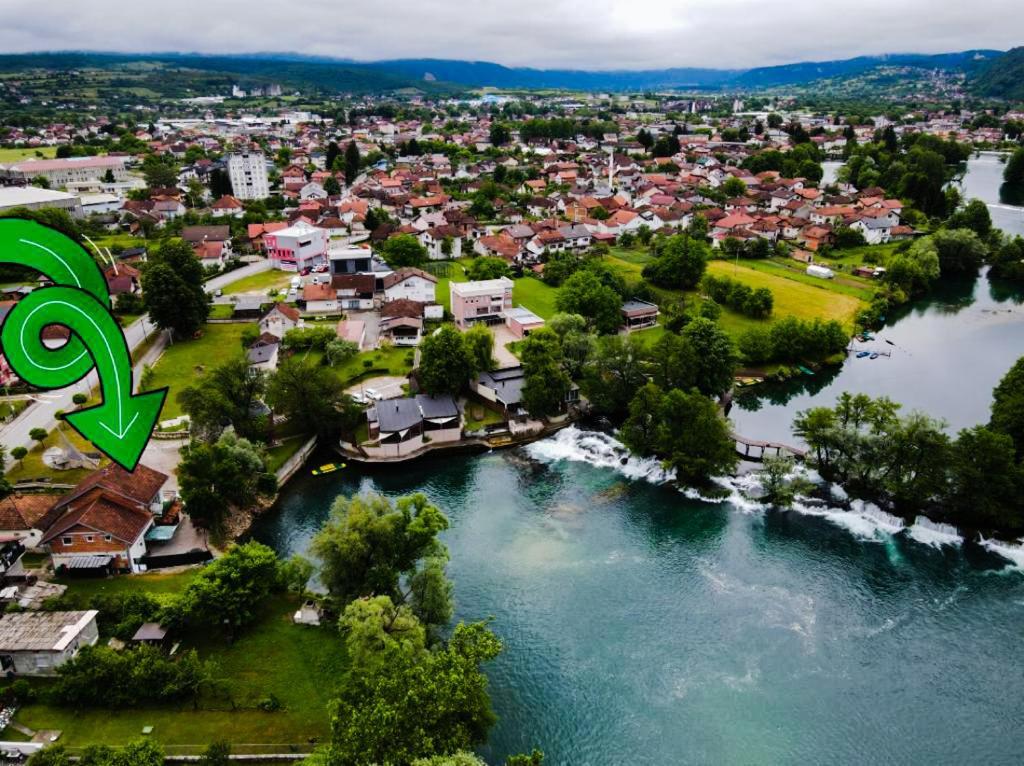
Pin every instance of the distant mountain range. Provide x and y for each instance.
(990, 72)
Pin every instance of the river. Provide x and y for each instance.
(643, 626)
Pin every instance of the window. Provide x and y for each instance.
(88, 538)
(65, 541)
(108, 538)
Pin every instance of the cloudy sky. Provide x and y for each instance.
(591, 34)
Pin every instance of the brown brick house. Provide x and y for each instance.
(102, 523)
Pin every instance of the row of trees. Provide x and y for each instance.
(908, 462)
(756, 304)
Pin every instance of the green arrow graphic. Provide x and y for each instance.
(64, 262)
(121, 425)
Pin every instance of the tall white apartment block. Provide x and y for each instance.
(248, 174)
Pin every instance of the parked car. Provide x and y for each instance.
(296, 283)
(372, 394)
(217, 293)
(360, 398)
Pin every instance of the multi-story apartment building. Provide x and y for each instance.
(298, 247)
(248, 174)
(483, 301)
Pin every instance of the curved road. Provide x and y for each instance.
(42, 413)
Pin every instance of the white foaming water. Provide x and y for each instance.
(928, 532)
(598, 449)
(1008, 551)
(865, 521)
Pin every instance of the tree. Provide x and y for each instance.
(311, 396)
(338, 351)
(332, 187)
(487, 267)
(714, 356)
(172, 283)
(734, 187)
(546, 383)
(296, 573)
(500, 134)
(774, 121)
(845, 238)
(615, 373)
(1013, 173)
(583, 293)
(403, 250)
(974, 216)
(642, 431)
(216, 754)
(368, 546)
(352, 162)
(680, 262)
(160, 172)
(445, 362)
(779, 491)
(19, 453)
(38, 435)
(960, 251)
(1008, 407)
(231, 471)
(479, 343)
(228, 395)
(416, 704)
(986, 481)
(230, 592)
(331, 154)
(576, 342)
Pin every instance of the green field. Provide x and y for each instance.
(443, 294)
(535, 295)
(27, 153)
(297, 665)
(33, 467)
(385, 361)
(184, 362)
(260, 283)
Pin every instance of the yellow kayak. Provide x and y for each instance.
(328, 468)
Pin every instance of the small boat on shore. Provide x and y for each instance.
(862, 354)
(874, 355)
(805, 370)
(328, 468)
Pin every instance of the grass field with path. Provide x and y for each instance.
(185, 361)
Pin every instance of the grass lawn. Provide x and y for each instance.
(793, 297)
(846, 284)
(487, 416)
(261, 283)
(184, 362)
(297, 665)
(12, 408)
(457, 273)
(392, 361)
(33, 467)
(535, 295)
(221, 310)
(634, 255)
(27, 153)
(278, 456)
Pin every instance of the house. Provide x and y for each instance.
(399, 427)
(355, 291)
(521, 321)
(262, 354)
(196, 235)
(101, 524)
(248, 307)
(401, 331)
(280, 319)
(21, 516)
(321, 299)
(37, 643)
(504, 388)
(151, 634)
(876, 231)
(123, 278)
(227, 206)
(638, 315)
(482, 301)
(297, 247)
(413, 284)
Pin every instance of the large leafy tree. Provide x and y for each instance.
(370, 547)
(1013, 173)
(172, 284)
(403, 250)
(228, 395)
(960, 251)
(615, 372)
(215, 476)
(414, 703)
(352, 162)
(714, 356)
(311, 396)
(986, 482)
(230, 592)
(445, 362)
(1008, 406)
(680, 263)
(546, 383)
(479, 343)
(585, 294)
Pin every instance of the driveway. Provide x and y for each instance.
(371, 320)
(503, 336)
(388, 386)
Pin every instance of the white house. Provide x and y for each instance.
(413, 284)
(279, 320)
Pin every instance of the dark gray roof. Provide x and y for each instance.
(397, 415)
(437, 406)
(150, 631)
(507, 384)
(261, 353)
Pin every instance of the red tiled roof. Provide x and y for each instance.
(106, 514)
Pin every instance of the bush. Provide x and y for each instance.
(756, 304)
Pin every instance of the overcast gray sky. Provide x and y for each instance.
(590, 34)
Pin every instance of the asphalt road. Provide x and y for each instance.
(41, 414)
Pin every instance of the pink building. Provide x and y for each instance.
(298, 247)
(484, 301)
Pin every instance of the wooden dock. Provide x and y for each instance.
(755, 450)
